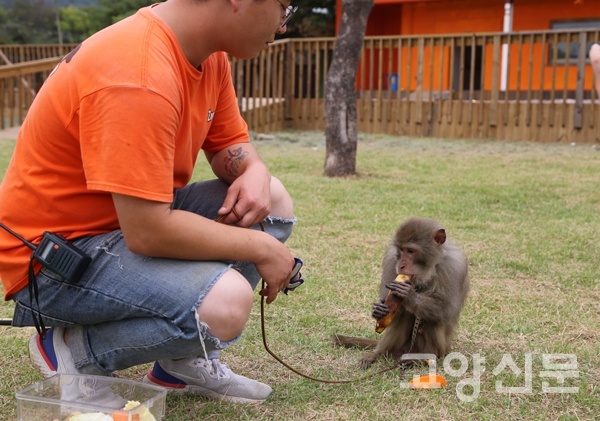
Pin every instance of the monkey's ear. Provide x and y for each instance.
(440, 236)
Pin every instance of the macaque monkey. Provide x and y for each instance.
(435, 293)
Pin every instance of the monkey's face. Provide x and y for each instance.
(409, 259)
(418, 246)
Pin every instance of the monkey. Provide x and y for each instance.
(435, 293)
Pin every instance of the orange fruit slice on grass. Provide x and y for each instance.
(430, 381)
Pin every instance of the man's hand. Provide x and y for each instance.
(248, 199)
(275, 271)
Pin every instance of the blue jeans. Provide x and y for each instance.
(130, 309)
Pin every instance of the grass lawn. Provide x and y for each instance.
(526, 215)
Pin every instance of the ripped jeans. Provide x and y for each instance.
(130, 309)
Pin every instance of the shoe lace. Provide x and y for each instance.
(214, 367)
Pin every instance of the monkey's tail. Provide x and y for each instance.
(354, 342)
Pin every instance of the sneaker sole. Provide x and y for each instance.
(39, 357)
(197, 390)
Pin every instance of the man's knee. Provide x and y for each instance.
(226, 307)
(282, 205)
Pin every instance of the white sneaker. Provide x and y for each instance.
(209, 378)
(53, 356)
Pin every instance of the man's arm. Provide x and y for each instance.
(154, 229)
(249, 193)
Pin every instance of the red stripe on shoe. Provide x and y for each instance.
(49, 363)
(162, 383)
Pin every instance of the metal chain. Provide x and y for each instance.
(414, 333)
(404, 365)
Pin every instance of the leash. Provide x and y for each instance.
(286, 365)
(295, 272)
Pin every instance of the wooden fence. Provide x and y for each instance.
(535, 86)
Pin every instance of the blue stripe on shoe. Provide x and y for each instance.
(160, 376)
(46, 347)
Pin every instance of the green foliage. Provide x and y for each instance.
(28, 22)
(109, 11)
(35, 21)
(5, 36)
(76, 24)
(314, 18)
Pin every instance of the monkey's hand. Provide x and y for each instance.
(400, 289)
(379, 310)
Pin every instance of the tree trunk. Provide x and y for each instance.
(340, 96)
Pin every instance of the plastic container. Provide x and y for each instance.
(86, 398)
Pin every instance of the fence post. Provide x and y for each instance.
(289, 75)
(494, 97)
(578, 110)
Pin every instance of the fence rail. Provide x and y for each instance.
(535, 86)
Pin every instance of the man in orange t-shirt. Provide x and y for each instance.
(104, 159)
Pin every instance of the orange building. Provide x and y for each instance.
(444, 17)
(417, 17)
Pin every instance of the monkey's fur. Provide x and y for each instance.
(435, 293)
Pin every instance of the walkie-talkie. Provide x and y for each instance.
(62, 257)
(57, 254)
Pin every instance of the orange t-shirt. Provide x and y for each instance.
(125, 112)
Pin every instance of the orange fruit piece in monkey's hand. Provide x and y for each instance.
(430, 381)
(393, 304)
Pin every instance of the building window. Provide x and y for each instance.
(571, 49)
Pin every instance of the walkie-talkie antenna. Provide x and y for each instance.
(27, 243)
